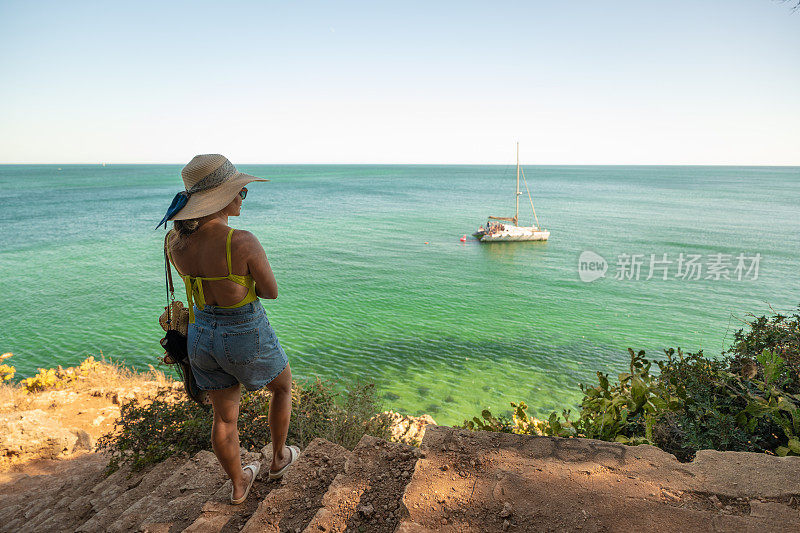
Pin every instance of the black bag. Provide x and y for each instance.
(175, 345)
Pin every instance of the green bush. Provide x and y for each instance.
(772, 406)
(147, 433)
(709, 400)
(747, 400)
(628, 410)
(779, 334)
(522, 423)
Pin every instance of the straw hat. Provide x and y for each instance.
(211, 182)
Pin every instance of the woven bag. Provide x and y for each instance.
(176, 317)
(175, 321)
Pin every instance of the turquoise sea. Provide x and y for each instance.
(374, 282)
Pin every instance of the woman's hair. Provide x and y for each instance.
(186, 227)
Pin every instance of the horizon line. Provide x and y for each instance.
(432, 164)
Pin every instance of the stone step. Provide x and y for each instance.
(217, 514)
(185, 503)
(102, 493)
(494, 482)
(21, 493)
(30, 496)
(82, 507)
(184, 477)
(298, 496)
(367, 495)
(112, 502)
(42, 504)
(177, 501)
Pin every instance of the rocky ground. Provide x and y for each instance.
(456, 480)
(60, 422)
(466, 481)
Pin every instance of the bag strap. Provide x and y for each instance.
(168, 281)
(168, 270)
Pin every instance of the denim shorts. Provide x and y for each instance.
(229, 346)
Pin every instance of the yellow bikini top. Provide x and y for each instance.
(194, 284)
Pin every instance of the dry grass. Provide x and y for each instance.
(90, 375)
(115, 375)
(9, 396)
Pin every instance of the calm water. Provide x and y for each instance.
(445, 327)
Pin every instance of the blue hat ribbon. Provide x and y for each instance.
(177, 204)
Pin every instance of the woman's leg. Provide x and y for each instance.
(225, 436)
(280, 410)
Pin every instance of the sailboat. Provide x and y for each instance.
(500, 232)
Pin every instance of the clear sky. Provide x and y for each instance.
(576, 82)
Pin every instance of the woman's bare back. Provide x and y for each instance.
(202, 253)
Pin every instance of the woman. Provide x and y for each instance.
(230, 340)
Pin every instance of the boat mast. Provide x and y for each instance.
(516, 196)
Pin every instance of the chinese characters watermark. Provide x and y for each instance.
(687, 267)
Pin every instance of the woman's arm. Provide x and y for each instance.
(257, 264)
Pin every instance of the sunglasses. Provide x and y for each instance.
(243, 193)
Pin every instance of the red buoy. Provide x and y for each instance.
(464, 238)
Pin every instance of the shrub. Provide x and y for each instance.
(708, 402)
(6, 371)
(149, 433)
(628, 410)
(58, 378)
(773, 406)
(746, 401)
(779, 334)
(521, 423)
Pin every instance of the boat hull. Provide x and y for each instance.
(506, 237)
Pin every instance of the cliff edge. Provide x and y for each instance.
(456, 480)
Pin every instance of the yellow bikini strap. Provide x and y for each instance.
(228, 251)
(189, 303)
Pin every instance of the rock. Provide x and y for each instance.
(366, 510)
(405, 428)
(52, 399)
(84, 442)
(266, 452)
(507, 510)
(34, 433)
(775, 512)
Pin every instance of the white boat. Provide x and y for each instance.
(511, 232)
